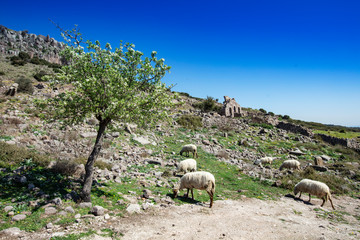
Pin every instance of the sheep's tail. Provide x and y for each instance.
(211, 191)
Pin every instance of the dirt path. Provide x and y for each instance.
(245, 219)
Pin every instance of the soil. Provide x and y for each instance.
(286, 218)
(248, 218)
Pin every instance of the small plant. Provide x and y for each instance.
(190, 121)
(262, 110)
(25, 85)
(38, 76)
(271, 113)
(286, 117)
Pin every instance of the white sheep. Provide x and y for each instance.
(268, 160)
(197, 180)
(290, 164)
(187, 165)
(319, 189)
(189, 148)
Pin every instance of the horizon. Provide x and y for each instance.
(300, 59)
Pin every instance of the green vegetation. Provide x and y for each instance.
(324, 127)
(208, 105)
(342, 133)
(190, 121)
(25, 85)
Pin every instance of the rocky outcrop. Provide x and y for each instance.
(44, 47)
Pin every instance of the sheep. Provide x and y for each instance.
(189, 148)
(197, 180)
(268, 160)
(319, 189)
(290, 164)
(187, 165)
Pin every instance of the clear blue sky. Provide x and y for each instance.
(300, 58)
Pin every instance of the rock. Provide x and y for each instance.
(206, 142)
(88, 134)
(85, 205)
(133, 208)
(143, 140)
(319, 168)
(69, 209)
(297, 152)
(77, 216)
(31, 186)
(156, 162)
(79, 171)
(50, 210)
(62, 213)
(325, 157)
(98, 211)
(57, 201)
(147, 205)
(49, 226)
(277, 183)
(18, 217)
(106, 216)
(146, 193)
(39, 86)
(115, 134)
(14, 231)
(58, 234)
(318, 161)
(8, 208)
(11, 213)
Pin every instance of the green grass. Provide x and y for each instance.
(342, 134)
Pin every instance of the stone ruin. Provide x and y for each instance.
(231, 108)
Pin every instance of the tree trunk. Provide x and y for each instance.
(89, 167)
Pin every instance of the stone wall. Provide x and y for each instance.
(350, 143)
(295, 128)
(12, 42)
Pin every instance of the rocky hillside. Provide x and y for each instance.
(42, 164)
(13, 42)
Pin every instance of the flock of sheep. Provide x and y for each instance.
(206, 181)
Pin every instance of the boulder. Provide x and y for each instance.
(18, 217)
(133, 208)
(98, 211)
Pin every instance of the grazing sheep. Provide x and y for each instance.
(197, 180)
(268, 160)
(319, 189)
(189, 148)
(290, 164)
(187, 165)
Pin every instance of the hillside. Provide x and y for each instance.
(42, 167)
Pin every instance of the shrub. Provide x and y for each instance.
(271, 113)
(262, 110)
(286, 117)
(17, 61)
(38, 76)
(190, 121)
(12, 155)
(2, 73)
(24, 56)
(25, 85)
(208, 105)
(263, 125)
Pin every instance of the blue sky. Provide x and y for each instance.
(300, 58)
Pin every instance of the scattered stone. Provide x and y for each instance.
(8, 208)
(88, 216)
(156, 162)
(62, 213)
(146, 193)
(106, 216)
(49, 226)
(297, 152)
(50, 210)
(325, 157)
(14, 231)
(58, 234)
(88, 134)
(206, 142)
(319, 161)
(69, 209)
(57, 201)
(11, 213)
(133, 208)
(147, 205)
(85, 205)
(77, 216)
(98, 211)
(18, 217)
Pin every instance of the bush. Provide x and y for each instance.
(262, 110)
(271, 113)
(190, 121)
(208, 105)
(25, 85)
(286, 117)
(16, 61)
(12, 155)
(38, 76)
(263, 125)
(2, 73)
(24, 56)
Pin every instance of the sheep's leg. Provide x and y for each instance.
(309, 197)
(331, 203)
(300, 195)
(192, 194)
(323, 201)
(187, 193)
(211, 195)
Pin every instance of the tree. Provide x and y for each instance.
(110, 85)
